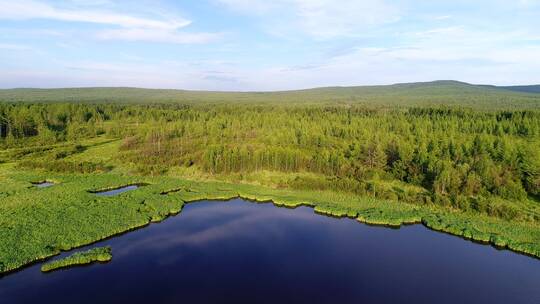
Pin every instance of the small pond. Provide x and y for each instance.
(43, 184)
(241, 252)
(117, 191)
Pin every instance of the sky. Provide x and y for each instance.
(264, 45)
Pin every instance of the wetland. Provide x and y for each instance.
(253, 252)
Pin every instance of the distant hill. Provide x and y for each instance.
(525, 89)
(442, 92)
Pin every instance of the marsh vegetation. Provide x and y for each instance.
(100, 254)
(464, 170)
(248, 251)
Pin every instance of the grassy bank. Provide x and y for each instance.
(100, 254)
(38, 223)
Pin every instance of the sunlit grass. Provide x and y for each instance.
(39, 223)
(100, 254)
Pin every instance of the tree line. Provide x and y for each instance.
(461, 157)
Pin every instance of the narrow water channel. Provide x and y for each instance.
(44, 184)
(241, 252)
(117, 191)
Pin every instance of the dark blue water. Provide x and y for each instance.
(117, 191)
(239, 252)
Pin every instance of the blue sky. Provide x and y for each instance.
(266, 45)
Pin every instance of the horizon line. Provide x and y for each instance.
(274, 91)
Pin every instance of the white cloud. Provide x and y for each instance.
(252, 6)
(449, 48)
(319, 18)
(125, 27)
(476, 44)
(326, 18)
(92, 2)
(27, 9)
(442, 17)
(153, 35)
(528, 3)
(14, 47)
(375, 65)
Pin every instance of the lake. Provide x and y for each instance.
(242, 252)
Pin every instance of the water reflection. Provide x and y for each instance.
(117, 191)
(244, 253)
(43, 184)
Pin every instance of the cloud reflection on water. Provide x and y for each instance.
(228, 220)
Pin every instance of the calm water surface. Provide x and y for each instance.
(240, 252)
(44, 185)
(117, 191)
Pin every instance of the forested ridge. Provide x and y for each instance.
(467, 159)
(441, 93)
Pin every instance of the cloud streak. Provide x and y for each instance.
(156, 35)
(321, 19)
(266, 45)
(26, 10)
(126, 27)
(14, 47)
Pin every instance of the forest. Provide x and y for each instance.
(487, 162)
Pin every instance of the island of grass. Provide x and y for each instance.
(99, 254)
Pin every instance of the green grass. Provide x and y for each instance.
(100, 254)
(39, 223)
